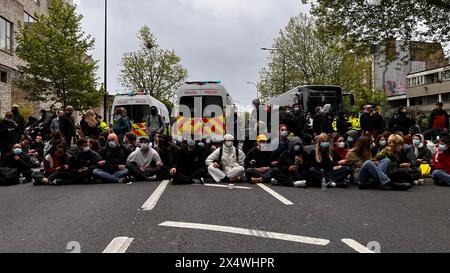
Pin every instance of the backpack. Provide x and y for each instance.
(9, 177)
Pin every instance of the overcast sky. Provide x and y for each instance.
(216, 39)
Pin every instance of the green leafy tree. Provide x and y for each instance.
(152, 70)
(365, 22)
(57, 68)
(312, 57)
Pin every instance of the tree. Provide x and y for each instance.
(57, 67)
(365, 22)
(315, 58)
(152, 70)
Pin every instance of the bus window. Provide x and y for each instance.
(136, 113)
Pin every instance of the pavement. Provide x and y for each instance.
(203, 219)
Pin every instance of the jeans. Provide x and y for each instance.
(315, 176)
(441, 178)
(370, 171)
(254, 173)
(110, 178)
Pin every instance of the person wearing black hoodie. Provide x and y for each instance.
(259, 163)
(18, 119)
(291, 170)
(401, 122)
(189, 166)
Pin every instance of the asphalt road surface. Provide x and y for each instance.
(152, 218)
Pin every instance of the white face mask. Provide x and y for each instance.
(86, 149)
(229, 144)
(341, 145)
(144, 146)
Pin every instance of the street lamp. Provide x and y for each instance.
(105, 76)
(284, 63)
(257, 91)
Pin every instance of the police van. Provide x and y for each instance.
(137, 106)
(200, 110)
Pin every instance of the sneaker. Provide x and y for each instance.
(123, 180)
(55, 182)
(152, 178)
(274, 182)
(401, 186)
(256, 180)
(332, 185)
(416, 183)
(196, 181)
(421, 182)
(300, 184)
(202, 181)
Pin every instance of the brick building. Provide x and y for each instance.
(13, 12)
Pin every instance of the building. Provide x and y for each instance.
(425, 88)
(395, 61)
(13, 12)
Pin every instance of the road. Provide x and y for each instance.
(46, 219)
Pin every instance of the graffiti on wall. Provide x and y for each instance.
(395, 88)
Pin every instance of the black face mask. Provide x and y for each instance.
(154, 112)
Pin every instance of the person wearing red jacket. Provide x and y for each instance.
(441, 161)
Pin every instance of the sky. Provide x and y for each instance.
(216, 39)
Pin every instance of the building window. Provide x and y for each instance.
(446, 75)
(3, 77)
(446, 97)
(5, 35)
(27, 18)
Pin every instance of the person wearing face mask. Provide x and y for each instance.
(282, 144)
(420, 156)
(145, 164)
(380, 143)
(441, 162)
(168, 151)
(8, 133)
(226, 164)
(259, 162)
(56, 168)
(82, 161)
(112, 169)
(400, 170)
(130, 142)
(18, 159)
(189, 166)
(155, 123)
(121, 124)
(339, 150)
(322, 166)
(291, 170)
(352, 137)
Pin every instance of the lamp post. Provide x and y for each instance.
(284, 63)
(105, 76)
(256, 86)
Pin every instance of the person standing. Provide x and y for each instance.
(18, 119)
(439, 120)
(401, 122)
(155, 123)
(8, 133)
(67, 126)
(54, 126)
(90, 126)
(366, 121)
(342, 124)
(121, 124)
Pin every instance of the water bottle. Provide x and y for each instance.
(324, 184)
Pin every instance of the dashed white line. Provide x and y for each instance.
(276, 195)
(356, 246)
(249, 232)
(118, 245)
(153, 200)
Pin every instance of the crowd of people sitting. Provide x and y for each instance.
(62, 153)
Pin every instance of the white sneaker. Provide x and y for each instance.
(421, 182)
(416, 183)
(332, 185)
(274, 182)
(300, 184)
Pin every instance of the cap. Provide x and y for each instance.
(228, 137)
(15, 106)
(144, 140)
(261, 137)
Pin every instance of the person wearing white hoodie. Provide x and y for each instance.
(226, 163)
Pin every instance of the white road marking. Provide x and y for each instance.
(118, 245)
(276, 195)
(226, 186)
(249, 232)
(153, 200)
(356, 246)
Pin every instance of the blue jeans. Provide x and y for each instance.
(441, 178)
(370, 170)
(254, 173)
(109, 178)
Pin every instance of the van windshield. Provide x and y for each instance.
(322, 97)
(207, 101)
(136, 113)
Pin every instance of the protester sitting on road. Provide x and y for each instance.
(54, 141)
(420, 156)
(56, 168)
(283, 143)
(145, 163)
(112, 169)
(38, 146)
(226, 163)
(259, 163)
(352, 137)
(82, 161)
(323, 169)
(380, 143)
(189, 167)
(441, 162)
(33, 155)
(400, 170)
(130, 142)
(18, 159)
(168, 153)
(339, 150)
(94, 145)
(367, 173)
(291, 170)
